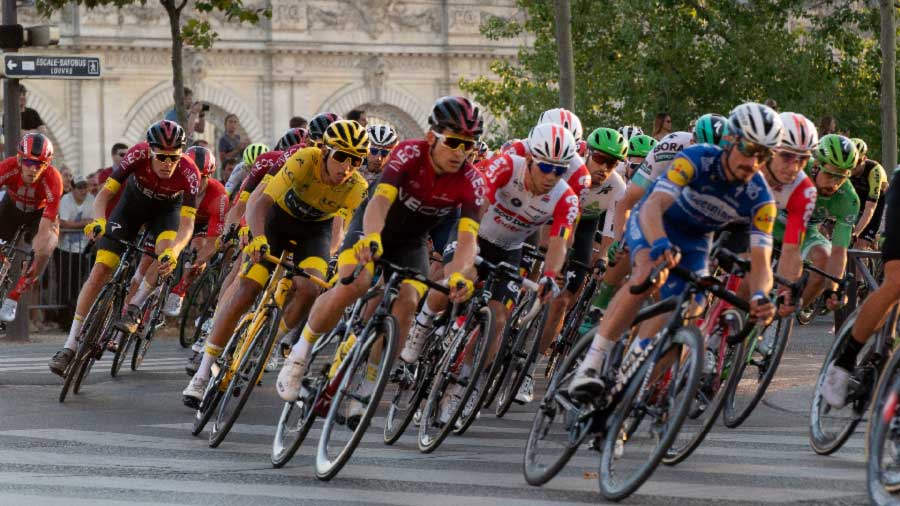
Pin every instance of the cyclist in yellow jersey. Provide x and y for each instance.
(297, 205)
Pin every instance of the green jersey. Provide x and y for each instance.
(843, 207)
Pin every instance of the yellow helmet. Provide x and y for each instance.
(347, 136)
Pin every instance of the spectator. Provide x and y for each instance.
(75, 211)
(66, 174)
(772, 103)
(298, 122)
(196, 115)
(230, 144)
(93, 184)
(118, 152)
(227, 169)
(662, 125)
(358, 115)
(827, 125)
(31, 120)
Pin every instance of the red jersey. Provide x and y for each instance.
(266, 164)
(137, 163)
(44, 193)
(423, 197)
(103, 175)
(213, 208)
(796, 202)
(578, 176)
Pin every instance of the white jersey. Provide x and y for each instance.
(515, 212)
(603, 198)
(660, 157)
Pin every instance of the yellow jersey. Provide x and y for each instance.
(298, 189)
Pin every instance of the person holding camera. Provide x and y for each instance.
(196, 115)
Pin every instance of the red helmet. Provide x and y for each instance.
(203, 159)
(458, 115)
(165, 134)
(35, 146)
(291, 137)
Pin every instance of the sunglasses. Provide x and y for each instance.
(379, 151)
(453, 142)
(549, 168)
(789, 157)
(167, 157)
(342, 157)
(752, 149)
(603, 159)
(834, 177)
(33, 163)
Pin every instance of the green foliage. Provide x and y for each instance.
(634, 58)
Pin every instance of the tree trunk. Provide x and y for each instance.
(888, 86)
(565, 54)
(177, 69)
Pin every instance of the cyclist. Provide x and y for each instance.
(297, 205)
(208, 225)
(382, 139)
(629, 131)
(524, 194)
(606, 149)
(33, 191)
(423, 181)
(482, 152)
(160, 193)
(835, 157)
(705, 188)
(870, 181)
(240, 172)
(639, 146)
(873, 309)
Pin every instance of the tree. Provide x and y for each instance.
(564, 51)
(634, 58)
(194, 31)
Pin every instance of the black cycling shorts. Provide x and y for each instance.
(13, 218)
(503, 290)
(582, 249)
(313, 238)
(891, 249)
(135, 210)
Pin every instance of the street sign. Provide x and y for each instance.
(25, 66)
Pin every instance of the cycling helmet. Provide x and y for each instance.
(203, 159)
(566, 118)
(629, 131)
(757, 123)
(799, 133)
(35, 146)
(166, 135)
(711, 129)
(252, 151)
(347, 136)
(608, 141)
(481, 148)
(291, 137)
(861, 146)
(382, 135)
(319, 124)
(581, 148)
(552, 143)
(836, 155)
(640, 145)
(458, 115)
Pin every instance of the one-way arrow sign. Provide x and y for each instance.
(24, 66)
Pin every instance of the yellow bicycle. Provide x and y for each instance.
(240, 366)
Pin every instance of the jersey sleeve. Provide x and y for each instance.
(877, 177)
(610, 218)
(565, 214)
(53, 191)
(218, 208)
(799, 209)
(680, 174)
(281, 182)
(191, 189)
(497, 173)
(470, 199)
(845, 210)
(580, 181)
(356, 197)
(8, 170)
(394, 173)
(138, 154)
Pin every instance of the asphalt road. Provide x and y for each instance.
(126, 440)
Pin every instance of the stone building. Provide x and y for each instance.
(389, 57)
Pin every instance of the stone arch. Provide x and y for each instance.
(61, 135)
(158, 100)
(397, 102)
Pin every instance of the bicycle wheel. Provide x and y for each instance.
(754, 372)
(149, 316)
(246, 376)
(560, 424)
(408, 394)
(98, 318)
(126, 341)
(296, 419)
(632, 449)
(473, 401)
(475, 337)
(498, 369)
(342, 430)
(525, 352)
(883, 438)
(200, 299)
(215, 388)
(86, 366)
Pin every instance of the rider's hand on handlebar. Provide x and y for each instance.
(835, 300)
(257, 247)
(90, 230)
(461, 288)
(168, 260)
(244, 236)
(786, 303)
(363, 248)
(548, 287)
(761, 309)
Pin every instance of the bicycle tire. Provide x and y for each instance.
(327, 468)
(684, 336)
(98, 317)
(733, 415)
(468, 416)
(396, 420)
(249, 370)
(883, 422)
(213, 392)
(550, 409)
(501, 362)
(122, 352)
(524, 356)
(86, 366)
(187, 336)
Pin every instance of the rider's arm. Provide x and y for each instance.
(651, 217)
(845, 212)
(633, 195)
(565, 216)
(760, 276)
(107, 193)
(185, 228)
(337, 231)
(377, 209)
(865, 217)
(799, 209)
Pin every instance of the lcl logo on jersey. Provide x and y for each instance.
(681, 172)
(764, 219)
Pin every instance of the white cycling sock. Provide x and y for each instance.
(141, 294)
(596, 354)
(426, 316)
(72, 340)
(300, 350)
(210, 353)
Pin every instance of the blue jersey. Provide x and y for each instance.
(706, 202)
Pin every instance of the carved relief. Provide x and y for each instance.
(288, 15)
(374, 75)
(374, 17)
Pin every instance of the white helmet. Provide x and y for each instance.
(549, 142)
(799, 132)
(629, 131)
(382, 135)
(564, 117)
(757, 123)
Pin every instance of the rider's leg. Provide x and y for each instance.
(818, 255)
